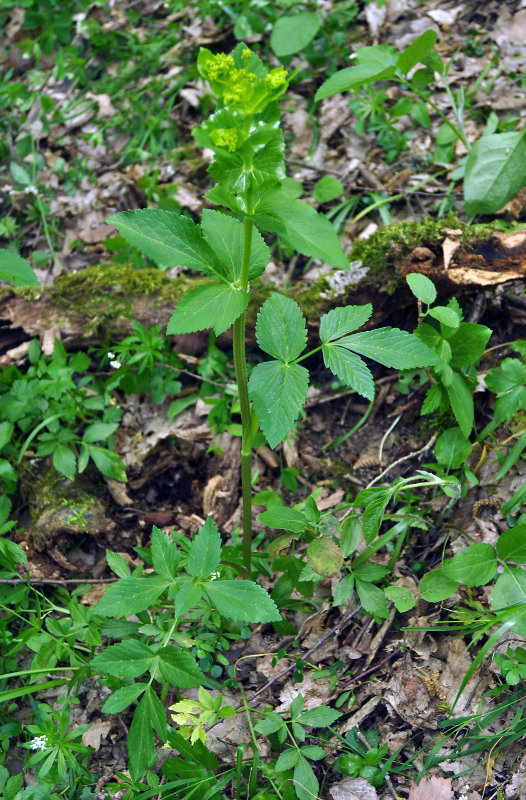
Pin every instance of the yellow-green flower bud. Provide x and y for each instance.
(225, 137)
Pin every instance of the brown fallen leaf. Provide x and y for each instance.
(98, 731)
(432, 788)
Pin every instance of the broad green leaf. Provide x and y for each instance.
(179, 668)
(165, 555)
(16, 270)
(205, 551)
(324, 557)
(401, 597)
(319, 717)
(6, 431)
(343, 590)
(509, 590)
(305, 781)
(224, 234)
(123, 697)
(118, 564)
(373, 514)
(214, 305)
(391, 347)
(495, 171)
(372, 64)
(188, 596)
(372, 599)
(245, 601)
(131, 596)
(510, 375)
(433, 399)
(167, 238)
(278, 392)
(422, 287)
(292, 34)
(327, 188)
(350, 531)
(129, 659)
(461, 400)
(107, 462)
(417, 51)
(287, 760)
(281, 329)
(283, 518)
(258, 161)
(64, 460)
(20, 175)
(341, 321)
(435, 586)
(468, 344)
(349, 368)
(511, 544)
(146, 719)
(301, 227)
(372, 573)
(447, 316)
(474, 566)
(99, 431)
(452, 448)
(313, 751)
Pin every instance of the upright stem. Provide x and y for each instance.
(242, 385)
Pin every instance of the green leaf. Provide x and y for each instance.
(349, 368)
(447, 316)
(452, 448)
(417, 52)
(224, 234)
(131, 596)
(278, 392)
(372, 64)
(283, 518)
(64, 460)
(495, 171)
(327, 188)
(179, 668)
(510, 590)
(468, 344)
(129, 659)
(118, 564)
(6, 431)
(435, 586)
(324, 557)
(371, 573)
(287, 760)
(422, 287)
(374, 513)
(108, 463)
(167, 238)
(205, 551)
(372, 599)
(511, 544)
(433, 399)
(281, 329)
(187, 597)
(214, 305)
(474, 566)
(99, 431)
(300, 227)
(391, 347)
(305, 781)
(350, 531)
(340, 321)
(245, 601)
(165, 555)
(343, 590)
(123, 697)
(401, 597)
(141, 746)
(512, 457)
(461, 400)
(16, 270)
(20, 175)
(294, 33)
(319, 717)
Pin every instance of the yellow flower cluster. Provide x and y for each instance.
(225, 137)
(276, 77)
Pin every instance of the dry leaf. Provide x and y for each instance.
(98, 731)
(353, 789)
(448, 248)
(431, 789)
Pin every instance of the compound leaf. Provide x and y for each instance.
(391, 347)
(179, 668)
(343, 320)
(349, 368)
(245, 601)
(131, 596)
(128, 659)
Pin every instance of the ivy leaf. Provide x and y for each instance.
(263, 168)
(278, 392)
(349, 368)
(340, 321)
(281, 329)
(301, 227)
(128, 659)
(224, 234)
(131, 596)
(205, 551)
(167, 238)
(215, 305)
(391, 347)
(245, 601)
(179, 668)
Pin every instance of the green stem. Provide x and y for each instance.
(242, 385)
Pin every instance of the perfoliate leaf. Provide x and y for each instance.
(258, 161)
(224, 234)
(245, 601)
(371, 64)
(16, 270)
(391, 347)
(349, 368)
(474, 566)
(341, 321)
(280, 329)
(215, 305)
(301, 227)
(179, 668)
(128, 659)
(495, 171)
(291, 34)
(165, 555)
(131, 596)
(278, 392)
(167, 238)
(205, 551)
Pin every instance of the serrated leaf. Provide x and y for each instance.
(301, 227)
(372, 64)
(278, 392)
(131, 596)
(287, 760)
(305, 782)
(433, 399)
(468, 344)
(129, 659)
(118, 564)
(341, 321)
(291, 34)
(224, 234)
(391, 347)
(64, 460)
(123, 697)
(401, 597)
(146, 718)
(99, 431)
(179, 668)
(319, 717)
(167, 238)
(495, 171)
(474, 566)
(165, 555)
(107, 462)
(16, 270)
(188, 596)
(374, 513)
(511, 544)
(372, 599)
(422, 287)
(245, 601)
(435, 586)
(283, 518)
(281, 328)
(205, 551)
(215, 305)
(349, 368)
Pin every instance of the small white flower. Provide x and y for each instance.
(115, 364)
(214, 576)
(111, 355)
(38, 743)
(31, 190)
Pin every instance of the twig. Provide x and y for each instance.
(386, 434)
(55, 582)
(410, 455)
